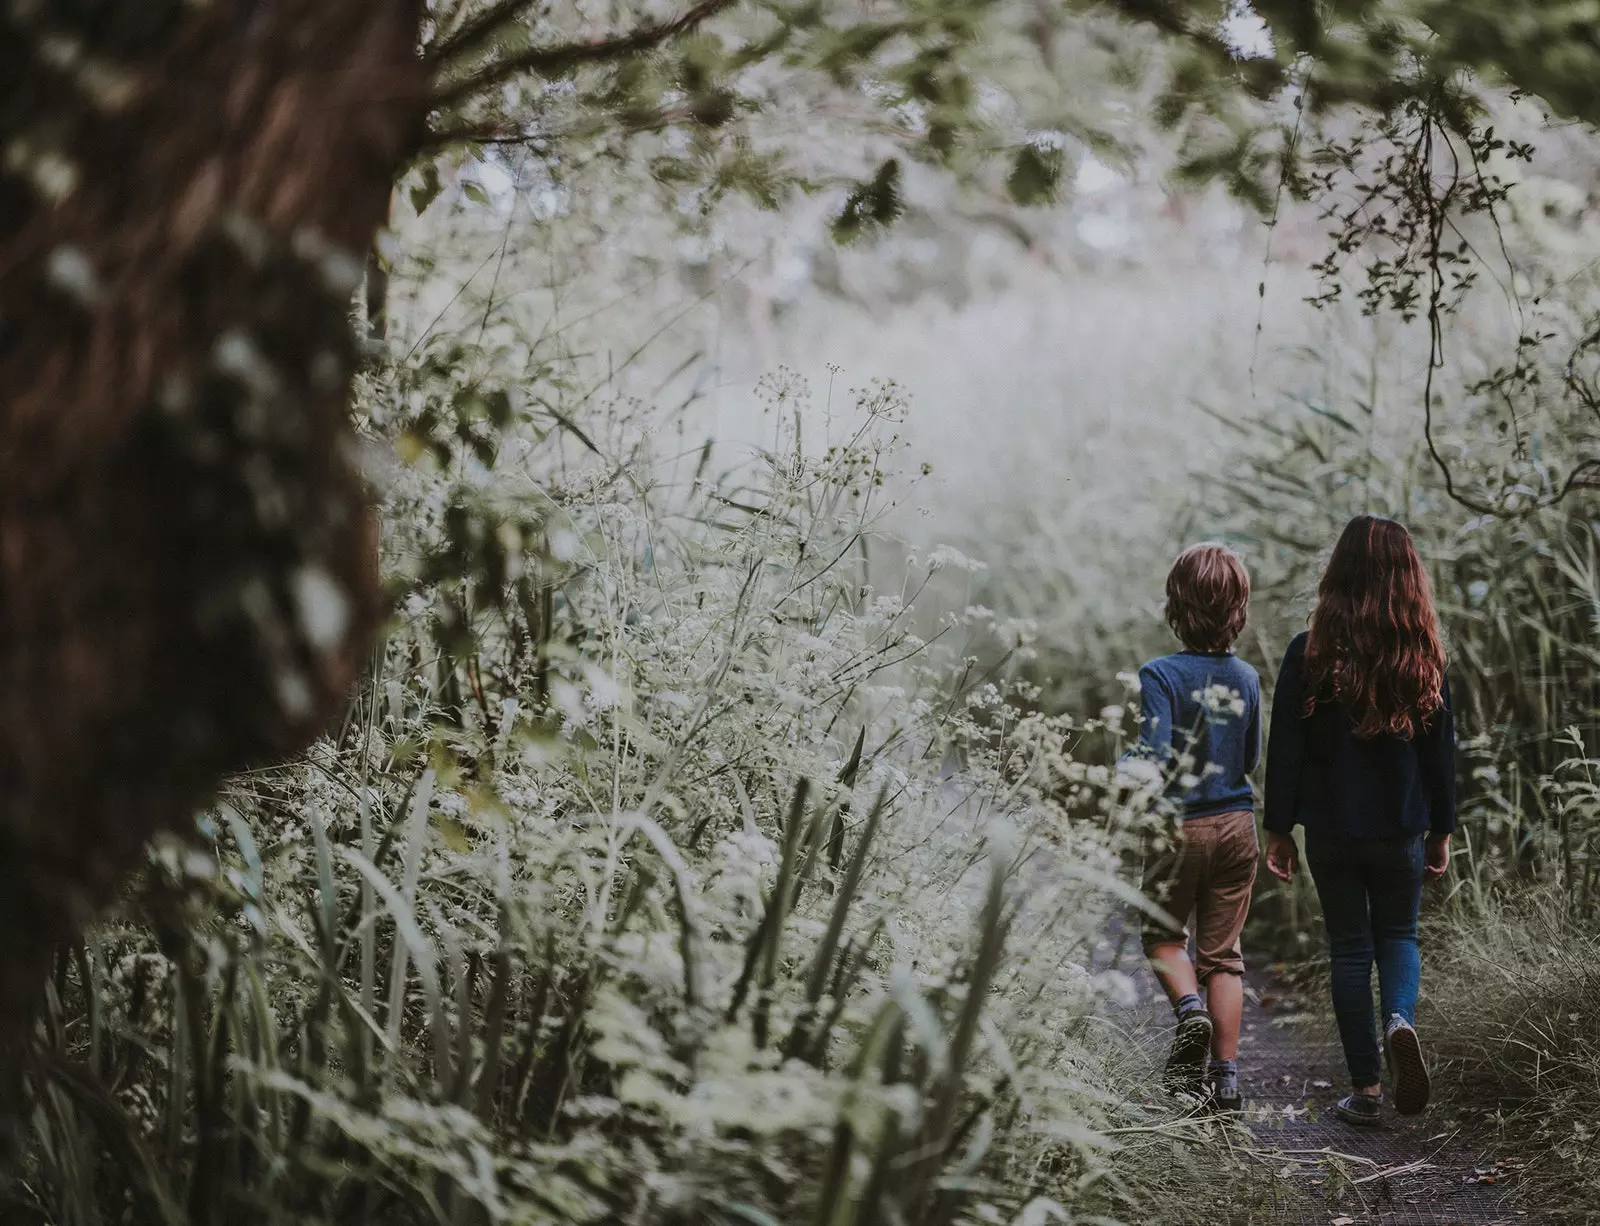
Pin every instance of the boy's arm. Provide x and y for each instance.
(1436, 749)
(1252, 733)
(1155, 717)
(1286, 746)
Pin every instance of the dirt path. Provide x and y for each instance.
(1416, 1170)
(1422, 1170)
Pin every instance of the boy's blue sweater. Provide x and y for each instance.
(1322, 776)
(1206, 705)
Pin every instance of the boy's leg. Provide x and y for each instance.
(1170, 884)
(1221, 905)
(1338, 871)
(1174, 971)
(1225, 1000)
(1186, 1063)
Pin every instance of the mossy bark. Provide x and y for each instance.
(187, 555)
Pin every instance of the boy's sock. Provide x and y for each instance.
(1225, 1079)
(1186, 1005)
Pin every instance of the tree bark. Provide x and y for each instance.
(187, 556)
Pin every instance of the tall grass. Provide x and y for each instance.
(658, 873)
(1510, 992)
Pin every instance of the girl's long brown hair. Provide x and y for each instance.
(1374, 646)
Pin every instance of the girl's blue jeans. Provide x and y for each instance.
(1371, 890)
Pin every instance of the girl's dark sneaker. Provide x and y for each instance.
(1362, 1110)
(1186, 1066)
(1406, 1066)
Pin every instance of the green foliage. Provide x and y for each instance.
(723, 77)
(648, 876)
(1035, 174)
(1512, 990)
(635, 884)
(872, 205)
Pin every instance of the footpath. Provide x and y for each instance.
(1421, 1169)
(1410, 1172)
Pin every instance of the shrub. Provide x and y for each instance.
(1514, 987)
(666, 876)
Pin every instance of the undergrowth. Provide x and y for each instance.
(1509, 989)
(659, 873)
(1514, 983)
(1513, 991)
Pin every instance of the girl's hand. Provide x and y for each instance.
(1436, 856)
(1282, 855)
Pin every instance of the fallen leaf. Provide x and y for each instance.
(1343, 1221)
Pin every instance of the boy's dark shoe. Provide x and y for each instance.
(1224, 1076)
(1228, 1104)
(1362, 1110)
(1407, 1067)
(1186, 1066)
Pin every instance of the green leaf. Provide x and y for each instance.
(118, 1132)
(671, 170)
(455, 838)
(872, 205)
(427, 191)
(1035, 175)
(475, 193)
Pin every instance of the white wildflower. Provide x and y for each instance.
(564, 545)
(944, 556)
(1138, 772)
(1219, 700)
(604, 691)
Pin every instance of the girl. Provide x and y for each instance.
(1362, 754)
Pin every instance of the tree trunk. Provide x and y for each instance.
(187, 557)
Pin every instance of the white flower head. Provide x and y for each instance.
(947, 556)
(1219, 700)
(1138, 773)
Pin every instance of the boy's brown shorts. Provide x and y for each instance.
(1208, 873)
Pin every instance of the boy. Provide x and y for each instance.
(1200, 726)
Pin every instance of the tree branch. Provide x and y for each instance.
(503, 135)
(548, 61)
(1435, 211)
(476, 31)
